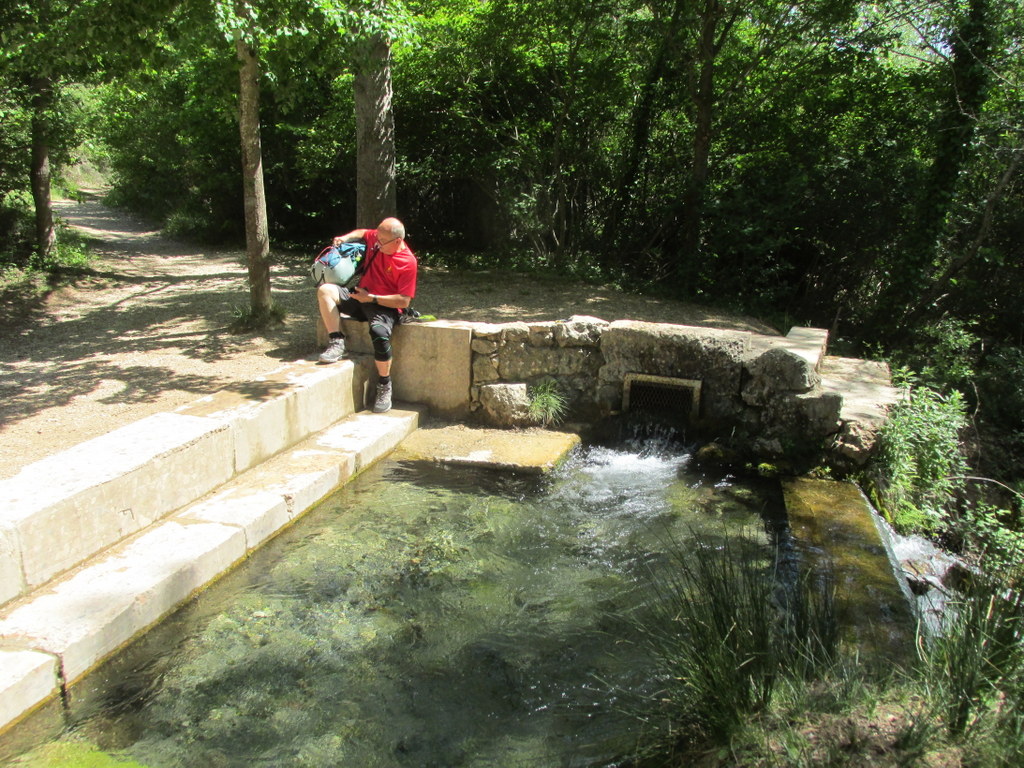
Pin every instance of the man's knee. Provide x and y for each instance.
(328, 292)
(380, 335)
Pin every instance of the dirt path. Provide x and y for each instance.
(147, 330)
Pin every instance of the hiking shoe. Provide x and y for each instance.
(383, 402)
(334, 352)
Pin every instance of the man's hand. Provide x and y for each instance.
(361, 295)
(349, 237)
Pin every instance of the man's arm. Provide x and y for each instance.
(394, 300)
(352, 237)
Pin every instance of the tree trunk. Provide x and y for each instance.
(704, 99)
(42, 99)
(257, 239)
(623, 215)
(375, 135)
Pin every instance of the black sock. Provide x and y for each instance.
(337, 335)
(384, 380)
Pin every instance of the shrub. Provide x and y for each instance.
(974, 673)
(920, 465)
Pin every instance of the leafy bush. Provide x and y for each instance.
(17, 228)
(993, 535)
(943, 353)
(920, 463)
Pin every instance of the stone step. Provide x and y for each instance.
(50, 639)
(807, 343)
(63, 509)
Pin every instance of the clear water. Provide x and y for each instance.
(425, 616)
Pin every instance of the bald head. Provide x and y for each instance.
(393, 227)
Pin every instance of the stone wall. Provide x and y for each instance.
(761, 396)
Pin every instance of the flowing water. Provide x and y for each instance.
(425, 616)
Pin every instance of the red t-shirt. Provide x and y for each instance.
(388, 274)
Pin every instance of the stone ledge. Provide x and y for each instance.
(278, 409)
(839, 534)
(65, 508)
(867, 397)
(27, 680)
(531, 451)
(106, 489)
(95, 611)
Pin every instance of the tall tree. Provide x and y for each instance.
(376, 196)
(702, 54)
(365, 25)
(959, 38)
(257, 235)
(241, 23)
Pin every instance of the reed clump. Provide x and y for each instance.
(751, 671)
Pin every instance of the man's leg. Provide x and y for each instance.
(328, 297)
(382, 325)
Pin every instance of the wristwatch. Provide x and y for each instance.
(373, 298)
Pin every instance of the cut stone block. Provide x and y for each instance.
(808, 343)
(432, 364)
(94, 612)
(530, 451)
(12, 581)
(69, 506)
(27, 679)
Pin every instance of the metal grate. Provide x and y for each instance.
(662, 398)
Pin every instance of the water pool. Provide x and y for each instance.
(425, 616)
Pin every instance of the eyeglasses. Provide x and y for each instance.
(382, 243)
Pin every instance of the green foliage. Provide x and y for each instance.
(974, 672)
(960, 704)
(25, 278)
(547, 403)
(942, 353)
(994, 538)
(920, 461)
(16, 229)
(1000, 394)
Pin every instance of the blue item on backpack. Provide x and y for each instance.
(338, 264)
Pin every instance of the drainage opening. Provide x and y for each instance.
(675, 402)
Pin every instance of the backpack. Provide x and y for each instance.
(338, 264)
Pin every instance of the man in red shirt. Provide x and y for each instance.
(385, 290)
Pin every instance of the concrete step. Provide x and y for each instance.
(62, 510)
(51, 638)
